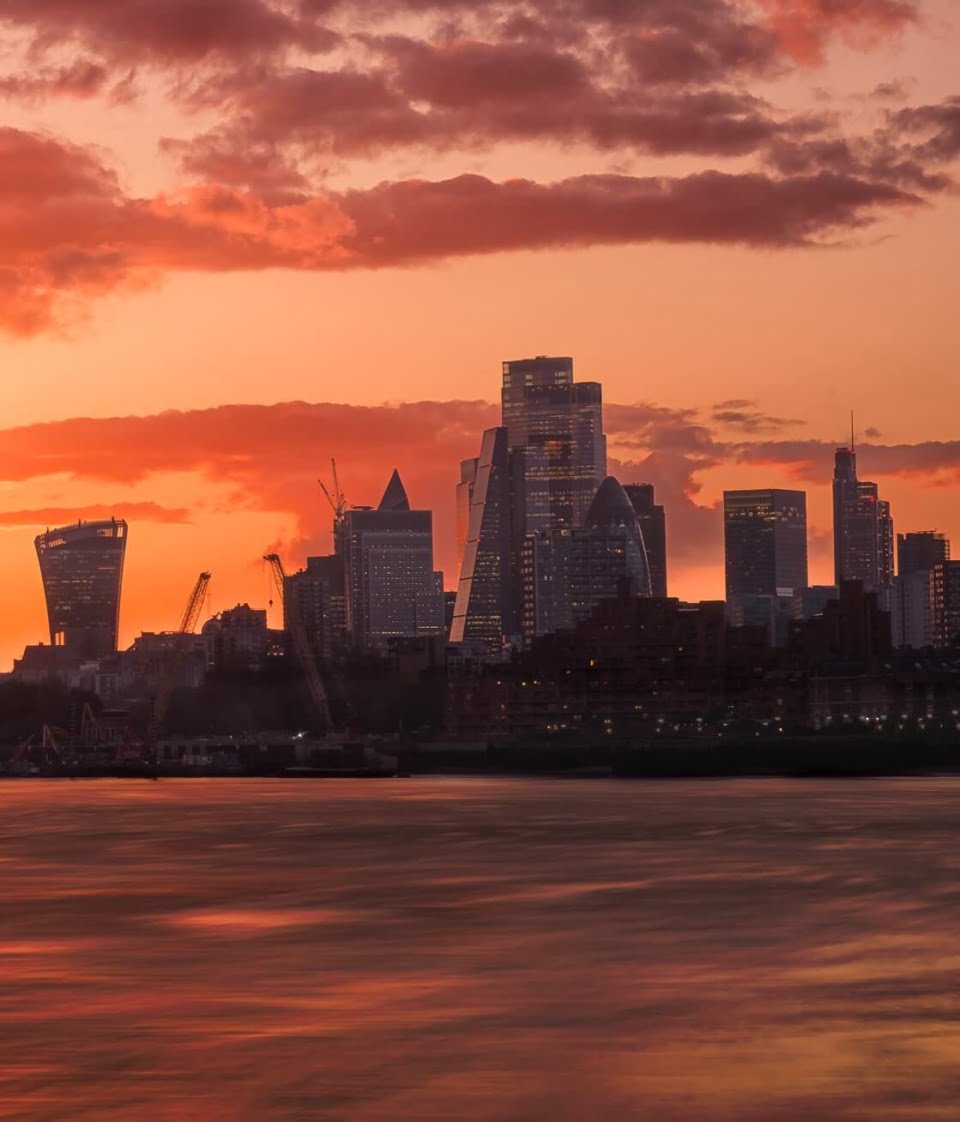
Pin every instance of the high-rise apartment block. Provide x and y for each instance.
(82, 571)
(392, 589)
(862, 527)
(317, 595)
(946, 603)
(653, 527)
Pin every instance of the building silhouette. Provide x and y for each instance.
(946, 603)
(920, 550)
(317, 595)
(82, 571)
(392, 589)
(558, 423)
(653, 527)
(862, 527)
(567, 572)
(482, 608)
(765, 542)
(912, 602)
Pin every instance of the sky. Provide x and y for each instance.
(239, 238)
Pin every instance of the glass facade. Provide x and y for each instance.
(567, 572)
(653, 526)
(480, 612)
(82, 571)
(392, 588)
(546, 410)
(765, 543)
(863, 538)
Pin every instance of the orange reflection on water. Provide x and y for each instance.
(489, 950)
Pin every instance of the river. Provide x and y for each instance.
(479, 949)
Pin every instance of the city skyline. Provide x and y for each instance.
(246, 589)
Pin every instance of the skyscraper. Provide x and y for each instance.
(483, 593)
(914, 611)
(392, 589)
(765, 542)
(545, 411)
(82, 570)
(862, 527)
(653, 526)
(567, 572)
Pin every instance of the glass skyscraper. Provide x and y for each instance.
(392, 590)
(559, 424)
(82, 571)
(765, 542)
(653, 526)
(862, 527)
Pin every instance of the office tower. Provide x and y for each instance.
(912, 601)
(468, 477)
(920, 551)
(765, 542)
(566, 572)
(653, 527)
(862, 527)
(392, 589)
(546, 411)
(317, 594)
(482, 605)
(946, 603)
(82, 569)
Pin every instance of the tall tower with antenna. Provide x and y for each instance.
(862, 526)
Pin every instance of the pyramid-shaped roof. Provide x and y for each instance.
(395, 496)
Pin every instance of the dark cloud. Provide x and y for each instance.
(81, 79)
(68, 232)
(745, 416)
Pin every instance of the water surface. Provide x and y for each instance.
(485, 950)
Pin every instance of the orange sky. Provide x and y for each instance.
(253, 202)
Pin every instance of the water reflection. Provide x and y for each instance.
(498, 951)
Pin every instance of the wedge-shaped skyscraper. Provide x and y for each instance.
(82, 571)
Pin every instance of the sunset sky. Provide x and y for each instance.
(240, 237)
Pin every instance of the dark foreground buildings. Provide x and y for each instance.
(82, 571)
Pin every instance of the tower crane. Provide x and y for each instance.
(301, 644)
(174, 659)
(337, 500)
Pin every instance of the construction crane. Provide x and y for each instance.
(175, 657)
(337, 500)
(293, 621)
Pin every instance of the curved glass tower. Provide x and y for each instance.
(82, 570)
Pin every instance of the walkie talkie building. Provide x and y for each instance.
(82, 571)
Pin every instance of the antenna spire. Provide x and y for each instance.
(853, 440)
